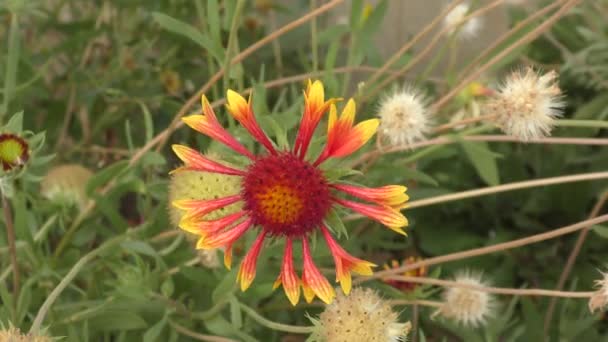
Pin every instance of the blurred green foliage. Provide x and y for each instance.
(102, 78)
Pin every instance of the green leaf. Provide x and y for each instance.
(337, 173)
(356, 11)
(236, 316)
(12, 64)
(186, 30)
(111, 172)
(213, 18)
(139, 247)
(153, 334)
(335, 224)
(118, 320)
(600, 230)
(483, 159)
(417, 175)
(15, 123)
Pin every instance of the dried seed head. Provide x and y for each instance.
(464, 305)
(455, 24)
(404, 118)
(13, 334)
(66, 185)
(527, 104)
(361, 316)
(599, 300)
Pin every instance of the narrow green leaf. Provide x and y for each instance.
(189, 31)
(12, 64)
(15, 123)
(117, 321)
(105, 175)
(483, 159)
(153, 334)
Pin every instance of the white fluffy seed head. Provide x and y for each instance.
(404, 118)
(13, 334)
(467, 306)
(527, 104)
(599, 300)
(360, 316)
(454, 24)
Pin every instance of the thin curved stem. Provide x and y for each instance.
(274, 325)
(197, 336)
(395, 57)
(508, 35)
(508, 187)
(71, 275)
(420, 302)
(488, 249)
(494, 290)
(429, 48)
(10, 235)
(582, 236)
(502, 54)
(239, 58)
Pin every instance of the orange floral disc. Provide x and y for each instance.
(13, 151)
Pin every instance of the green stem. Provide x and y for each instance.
(10, 79)
(35, 329)
(314, 38)
(274, 325)
(581, 123)
(234, 26)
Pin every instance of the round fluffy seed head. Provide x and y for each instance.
(204, 186)
(454, 24)
(286, 195)
(527, 104)
(361, 316)
(467, 306)
(66, 185)
(599, 300)
(13, 334)
(404, 118)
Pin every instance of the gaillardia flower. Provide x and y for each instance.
(285, 194)
(14, 151)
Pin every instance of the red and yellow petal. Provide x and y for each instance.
(207, 124)
(14, 151)
(288, 277)
(312, 279)
(228, 256)
(202, 227)
(195, 161)
(388, 216)
(390, 195)
(197, 209)
(344, 139)
(224, 238)
(314, 108)
(345, 263)
(248, 265)
(242, 111)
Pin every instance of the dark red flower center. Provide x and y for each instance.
(285, 195)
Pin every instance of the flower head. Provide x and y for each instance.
(14, 151)
(284, 195)
(404, 285)
(66, 184)
(361, 316)
(464, 305)
(527, 104)
(599, 300)
(454, 22)
(404, 118)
